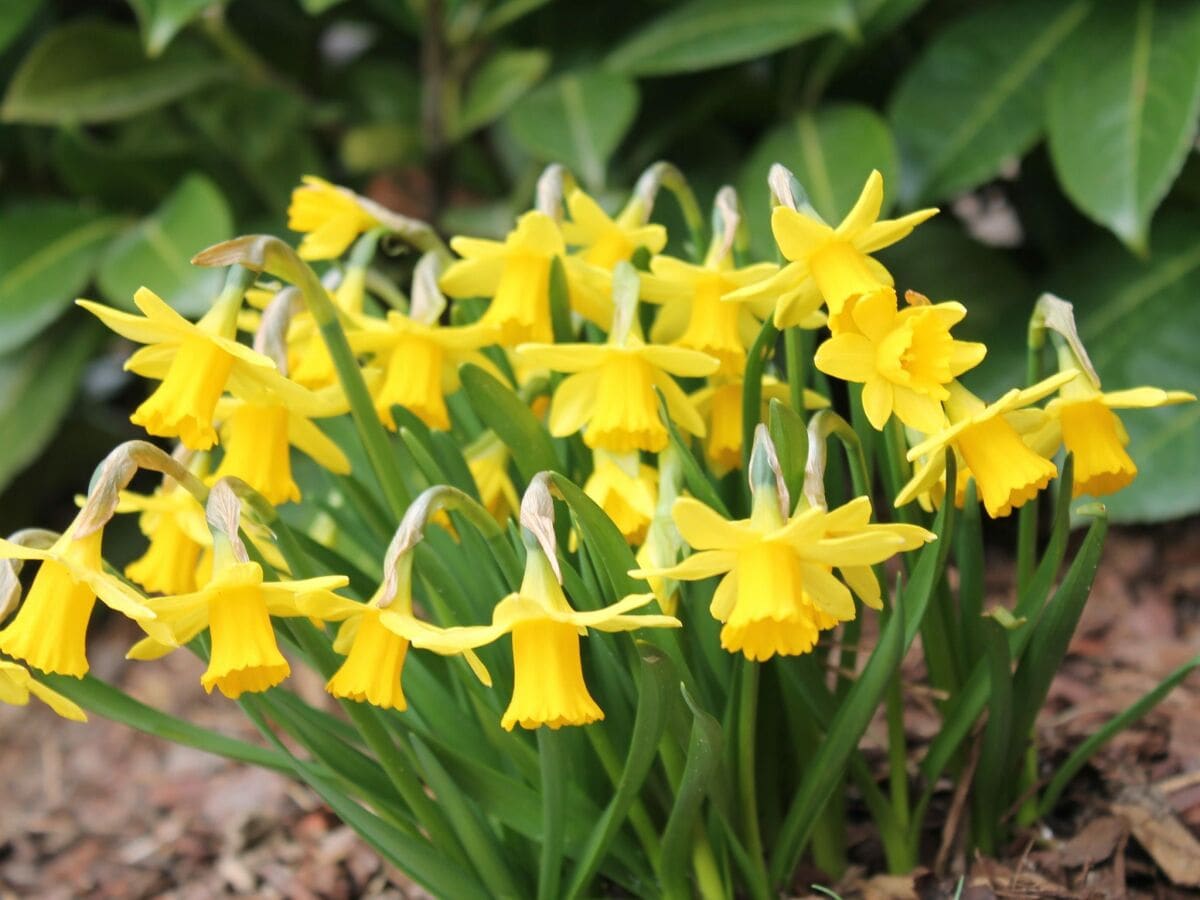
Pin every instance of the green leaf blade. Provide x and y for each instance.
(1122, 111)
(91, 71)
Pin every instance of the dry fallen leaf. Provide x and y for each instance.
(1094, 844)
(1163, 836)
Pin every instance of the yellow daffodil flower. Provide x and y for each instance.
(1093, 433)
(330, 217)
(375, 643)
(173, 522)
(515, 273)
(904, 359)
(694, 312)
(487, 458)
(627, 491)
(421, 362)
(548, 685)
(49, 631)
(236, 605)
(603, 241)
(16, 686)
(610, 394)
(1007, 472)
(831, 264)
(196, 364)
(779, 592)
(720, 404)
(257, 437)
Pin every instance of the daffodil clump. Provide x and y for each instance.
(580, 474)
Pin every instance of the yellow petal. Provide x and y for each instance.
(848, 356)
(680, 360)
(877, 398)
(919, 411)
(573, 403)
(865, 585)
(866, 208)
(68, 709)
(476, 277)
(313, 442)
(563, 357)
(1144, 398)
(828, 594)
(797, 235)
(885, 233)
(705, 529)
(679, 407)
(696, 567)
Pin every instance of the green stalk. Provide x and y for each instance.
(709, 883)
(897, 754)
(793, 345)
(550, 752)
(747, 714)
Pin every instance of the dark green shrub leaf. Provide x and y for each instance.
(1122, 110)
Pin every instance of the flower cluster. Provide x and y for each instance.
(626, 355)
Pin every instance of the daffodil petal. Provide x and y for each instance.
(848, 356)
(828, 594)
(1144, 398)
(866, 208)
(573, 403)
(877, 400)
(700, 565)
(705, 529)
(887, 232)
(798, 235)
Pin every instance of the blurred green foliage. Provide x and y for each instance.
(1058, 136)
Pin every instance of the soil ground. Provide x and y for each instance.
(101, 811)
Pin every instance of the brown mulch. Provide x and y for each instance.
(101, 811)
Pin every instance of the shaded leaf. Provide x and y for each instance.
(974, 98)
(93, 71)
(1122, 110)
(37, 384)
(705, 34)
(577, 119)
(156, 251)
(47, 255)
(161, 20)
(498, 84)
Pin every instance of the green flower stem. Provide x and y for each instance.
(896, 469)
(747, 713)
(709, 883)
(793, 345)
(554, 781)
(897, 754)
(763, 345)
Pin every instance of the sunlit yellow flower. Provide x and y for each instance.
(49, 631)
(611, 393)
(904, 359)
(721, 406)
(236, 605)
(330, 217)
(375, 643)
(831, 264)
(173, 522)
(694, 313)
(16, 686)
(421, 364)
(257, 437)
(779, 591)
(487, 458)
(628, 499)
(603, 241)
(548, 684)
(515, 273)
(1007, 472)
(196, 364)
(1093, 433)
